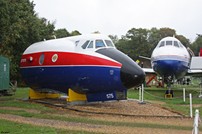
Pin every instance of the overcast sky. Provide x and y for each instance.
(116, 17)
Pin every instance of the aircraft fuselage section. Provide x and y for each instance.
(81, 72)
(170, 58)
(90, 65)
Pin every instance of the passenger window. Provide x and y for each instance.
(90, 45)
(85, 44)
(109, 43)
(176, 44)
(41, 59)
(99, 43)
(161, 44)
(168, 43)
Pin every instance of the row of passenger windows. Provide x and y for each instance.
(98, 44)
(170, 43)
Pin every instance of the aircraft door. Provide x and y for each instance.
(1, 75)
(4, 75)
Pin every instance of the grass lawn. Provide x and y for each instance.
(9, 127)
(156, 95)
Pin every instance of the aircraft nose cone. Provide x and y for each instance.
(131, 74)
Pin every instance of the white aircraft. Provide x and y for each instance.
(171, 60)
(88, 64)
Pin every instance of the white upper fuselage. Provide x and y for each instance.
(82, 44)
(170, 58)
(170, 48)
(73, 44)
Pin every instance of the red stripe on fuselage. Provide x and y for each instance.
(65, 59)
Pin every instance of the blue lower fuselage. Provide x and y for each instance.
(83, 79)
(167, 68)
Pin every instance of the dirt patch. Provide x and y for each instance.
(129, 107)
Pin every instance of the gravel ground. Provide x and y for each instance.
(129, 107)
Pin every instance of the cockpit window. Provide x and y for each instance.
(109, 43)
(176, 44)
(162, 44)
(168, 43)
(180, 44)
(90, 44)
(85, 44)
(99, 43)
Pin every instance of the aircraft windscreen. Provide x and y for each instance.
(109, 43)
(85, 44)
(168, 42)
(99, 43)
(162, 44)
(176, 44)
(90, 44)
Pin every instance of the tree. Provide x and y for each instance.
(60, 33)
(75, 32)
(134, 43)
(153, 38)
(183, 40)
(114, 38)
(20, 27)
(196, 45)
(164, 32)
(122, 45)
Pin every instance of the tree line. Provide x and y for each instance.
(20, 27)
